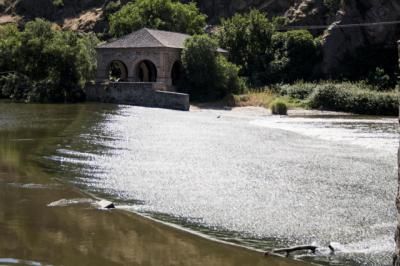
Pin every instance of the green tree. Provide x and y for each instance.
(168, 15)
(208, 74)
(10, 43)
(53, 64)
(248, 38)
(295, 55)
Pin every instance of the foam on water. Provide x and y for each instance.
(69, 202)
(370, 133)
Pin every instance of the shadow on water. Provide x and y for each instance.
(80, 234)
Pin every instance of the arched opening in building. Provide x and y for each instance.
(177, 73)
(117, 71)
(146, 71)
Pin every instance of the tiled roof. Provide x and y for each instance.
(149, 38)
(146, 38)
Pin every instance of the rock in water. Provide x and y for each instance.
(105, 204)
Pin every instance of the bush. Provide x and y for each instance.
(157, 14)
(209, 75)
(14, 86)
(299, 90)
(279, 107)
(229, 74)
(350, 97)
(380, 80)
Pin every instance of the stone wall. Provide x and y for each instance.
(135, 93)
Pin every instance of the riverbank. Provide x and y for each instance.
(257, 111)
(357, 98)
(44, 219)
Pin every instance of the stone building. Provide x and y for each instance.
(143, 56)
(141, 68)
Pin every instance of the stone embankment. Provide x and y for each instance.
(136, 93)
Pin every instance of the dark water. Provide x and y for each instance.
(46, 220)
(258, 181)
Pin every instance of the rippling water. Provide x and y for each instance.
(258, 181)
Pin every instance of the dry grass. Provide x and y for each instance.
(264, 99)
(254, 99)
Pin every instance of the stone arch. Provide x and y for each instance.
(146, 71)
(177, 72)
(117, 71)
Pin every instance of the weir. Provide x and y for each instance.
(136, 93)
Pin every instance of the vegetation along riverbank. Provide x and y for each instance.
(352, 97)
(42, 61)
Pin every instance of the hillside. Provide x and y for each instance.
(343, 48)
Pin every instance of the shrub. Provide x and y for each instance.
(380, 80)
(299, 90)
(350, 97)
(279, 107)
(209, 75)
(329, 97)
(15, 86)
(157, 14)
(229, 74)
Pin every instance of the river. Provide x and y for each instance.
(253, 180)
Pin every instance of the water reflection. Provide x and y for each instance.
(79, 234)
(246, 182)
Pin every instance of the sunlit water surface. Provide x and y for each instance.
(259, 181)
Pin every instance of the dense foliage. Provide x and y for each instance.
(44, 64)
(359, 98)
(168, 15)
(350, 98)
(264, 54)
(333, 5)
(295, 55)
(299, 90)
(248, 38)
(209, 75)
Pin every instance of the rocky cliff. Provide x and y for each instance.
(342, 47)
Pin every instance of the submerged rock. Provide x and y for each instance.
(105, 204)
